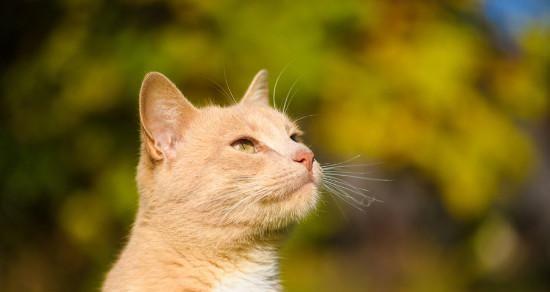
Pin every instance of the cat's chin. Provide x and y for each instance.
(306, 189)
(302, 200)
(301, 191)
(291, 208)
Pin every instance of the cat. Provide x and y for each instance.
(216, 186)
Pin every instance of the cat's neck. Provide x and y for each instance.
(258, 272)
(164, 264)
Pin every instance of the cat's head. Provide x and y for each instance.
(242, 165)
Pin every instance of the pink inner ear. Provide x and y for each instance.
(167, 123)
(166, 141)
(165, 112)
(163, 125)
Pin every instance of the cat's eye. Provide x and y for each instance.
(295, 138)
(244, 145)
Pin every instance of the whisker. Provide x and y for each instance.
(335, 180)
(342, 186)
(362, 196)
(346, 184)
(247, 200)
(326, 191)
(227, 84)
(359, 177)
(290, 100)
(346, 171)
(344, 197)
(364, 201)
(370, 199)
(343, 162)
(220, 88)
(303, 117)
(285, 106)
(343, 167)
(277, 82)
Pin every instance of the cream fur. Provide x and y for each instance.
(210, 216)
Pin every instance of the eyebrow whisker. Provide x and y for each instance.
(227, 84)
(275, 85)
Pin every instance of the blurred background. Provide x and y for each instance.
(449, 98)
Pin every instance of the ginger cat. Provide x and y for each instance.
(216, 186)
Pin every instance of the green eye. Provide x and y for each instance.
(244, 145)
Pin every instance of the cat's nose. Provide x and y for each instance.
(304, 157)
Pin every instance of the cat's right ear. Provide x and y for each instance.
(164, 113)
(258, 90)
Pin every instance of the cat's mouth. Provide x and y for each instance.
(303, 188)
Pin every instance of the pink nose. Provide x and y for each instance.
(304, 157)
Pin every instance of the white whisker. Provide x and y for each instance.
(220, 89)
(345, 161)
(303, 117)
(370, 199)
(345, 166)
(354, 203)
(346, 184)
(227, 84)
(346, 171)
(277, 82)
(359, 177)
(285, 105)
(335, 175)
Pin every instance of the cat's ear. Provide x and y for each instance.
(258, 90)
(164, 114)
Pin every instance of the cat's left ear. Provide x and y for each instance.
(258, 90)
(165, 114)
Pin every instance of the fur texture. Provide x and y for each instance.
(209, 213)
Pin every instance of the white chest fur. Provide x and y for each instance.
(250, 276)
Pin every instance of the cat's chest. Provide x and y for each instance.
(250, 277)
